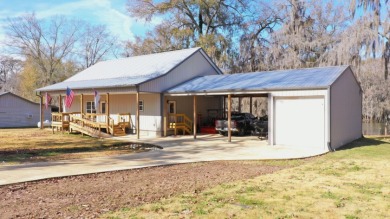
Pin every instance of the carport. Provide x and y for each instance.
(313, 107)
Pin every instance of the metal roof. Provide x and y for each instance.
(99, 83)
(17, 96)
(125, 71)
(308, 78)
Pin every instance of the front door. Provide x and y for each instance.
(172, 107)
(172, 110)
(102, 107)
(102, 110)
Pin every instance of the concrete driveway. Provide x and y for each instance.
(180, 149)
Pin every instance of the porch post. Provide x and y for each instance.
(195, 117)
(81, 105)
(239, 104)
(108, 112)
(137, 119)
(224, 107)
(229, 117)
(166, 117)
(41, 111)
(250, 105)
(60, 104)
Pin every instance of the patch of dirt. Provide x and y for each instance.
(88, 196)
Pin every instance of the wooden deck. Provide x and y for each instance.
(92, 124)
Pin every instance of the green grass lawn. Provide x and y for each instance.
(350, 183)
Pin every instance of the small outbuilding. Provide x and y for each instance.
(16, 111)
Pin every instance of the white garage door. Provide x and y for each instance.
(300, 122)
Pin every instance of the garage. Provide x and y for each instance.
(300, 121)
(312, 108)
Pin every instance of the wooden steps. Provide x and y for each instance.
(180, 128)
(180, 123)
(119, 130)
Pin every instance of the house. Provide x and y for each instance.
(172, 92)
(122, 83)
(15, 111)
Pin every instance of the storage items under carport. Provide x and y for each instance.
(207, 124)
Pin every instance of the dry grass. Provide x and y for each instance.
(350, 183)
(32, 144)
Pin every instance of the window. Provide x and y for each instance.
(141, 105)
(91, 107)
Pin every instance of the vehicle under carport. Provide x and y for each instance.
(313, 107)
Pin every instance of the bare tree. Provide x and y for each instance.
(262, 19)
(308, 35)
(9, 69)
(376, 91)
(211, 24)
(379, 25)
(95, 44)
(47, 43)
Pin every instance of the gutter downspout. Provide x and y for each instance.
(40, 109)
(329, 121)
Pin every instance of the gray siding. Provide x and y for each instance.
(346, 110)
(195, 66)
(16, 111)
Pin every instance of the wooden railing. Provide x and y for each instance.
(60, 117)
(86, 126)
(180, 121)
(110, 128)
(93, 121)
(96, 117)
(84, 122)
(61, 120)
(63, 117)
(123, 118)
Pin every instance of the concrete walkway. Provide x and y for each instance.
(183, 149)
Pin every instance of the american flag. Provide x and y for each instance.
(48, 100)
(69, 97)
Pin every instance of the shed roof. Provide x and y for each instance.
(17, 96)
(125, 71)
(308, 78)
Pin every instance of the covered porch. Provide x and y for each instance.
(204, 108)
(115, 114)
